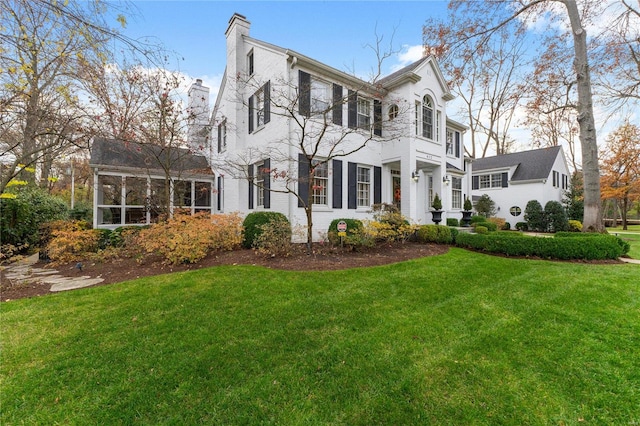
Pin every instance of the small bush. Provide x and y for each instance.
(274, 238)
(575, 226)
(476, 219)
(452, 221)
(498, 221)
(534, 216)
(438, 234)
(506, 226)
(555, 217)
(21, 217)
(252, 224)
(389, 224)
(491, 227)
(598, 247)
(454, 234)
(187, 239)
(354, 235)
(522, 226)
(481, 229)
(72, 245)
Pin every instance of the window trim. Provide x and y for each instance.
(456, 192)
(427, 117)
(363, 104)
(323, 165)
(250, 63)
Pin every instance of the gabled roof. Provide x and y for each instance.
(530, 165)
(136, 156)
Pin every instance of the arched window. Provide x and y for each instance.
(427, 117)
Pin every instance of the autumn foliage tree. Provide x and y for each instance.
(620, 166)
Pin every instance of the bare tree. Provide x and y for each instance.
(486, 74)
(491, 17)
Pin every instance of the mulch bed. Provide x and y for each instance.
(323, 258)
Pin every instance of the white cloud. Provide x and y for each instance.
(408, 55)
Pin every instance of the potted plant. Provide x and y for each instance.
(436, 213)
(466, 212)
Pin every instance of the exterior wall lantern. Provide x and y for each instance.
(446, 179)
(415, 176)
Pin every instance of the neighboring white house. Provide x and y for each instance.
(512, 180)
(266, 93)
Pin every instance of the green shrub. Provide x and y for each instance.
(452, 221)
(534, 216)
(481, 229)
(81, 211)
(388, 224)
(492, 227)
(555, 217)
(476, 219)
(252, 224)
(355, 236)
(454, 234)
(599, 247)
(522, 226)
(438, 234)
(485, 206)
(274, 238)
(21, 217)
(575, 226)
(506, 226)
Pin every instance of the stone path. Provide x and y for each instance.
(24, 271)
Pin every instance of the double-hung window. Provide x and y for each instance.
(450, 143)
(364, 186)
(320, 183)
(320, 96)
(456, 192)
(260, 184)
(364, 113)
(427, 117)
(222, 136)
(259, 107)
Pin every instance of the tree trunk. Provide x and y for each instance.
(586, 122)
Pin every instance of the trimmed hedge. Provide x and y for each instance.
(452, 221)
(439, 234)
(492, 227)
(595, 247)
(252, 224)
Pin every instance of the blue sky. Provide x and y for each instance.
(333, 32)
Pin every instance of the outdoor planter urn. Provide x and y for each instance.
(436, 213)
(466, 213)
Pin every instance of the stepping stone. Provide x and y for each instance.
(74, 283)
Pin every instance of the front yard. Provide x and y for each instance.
(461, 338)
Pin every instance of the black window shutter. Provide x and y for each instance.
(457, 144)
(337, 104)
(250, 175)
(219, 137)
(377, 185)
(353, 110)
(304, 103)
(250, 114)
(266, 173)
(475, 182)
(267, 102)
(352, 178)
(505, 180)
(337, 184)
(219, 192)
(377, 118)
(303, 180)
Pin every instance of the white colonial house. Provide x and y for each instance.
(512, 180)
(279, 114)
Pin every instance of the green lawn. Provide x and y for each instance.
(631, 235)
(458, 339)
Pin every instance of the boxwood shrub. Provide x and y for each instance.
(598, 247)
(435, 234)
(355, 231)
(252, 224)
(452, 221)
(492, 227)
